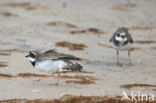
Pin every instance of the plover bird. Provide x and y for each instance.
(122, 40)
(51, 60)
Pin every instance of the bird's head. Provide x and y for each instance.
(121, 34)
(31, 56)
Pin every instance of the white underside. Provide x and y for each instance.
(50, 66)
(122, 47)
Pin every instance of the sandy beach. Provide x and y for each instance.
(82, 28)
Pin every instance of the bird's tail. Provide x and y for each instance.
(73, 67)
(77, 67)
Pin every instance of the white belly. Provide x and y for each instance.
(123, 47)
(49, 65)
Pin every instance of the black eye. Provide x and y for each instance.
(118, 35)
(123, 37)
(32, 55)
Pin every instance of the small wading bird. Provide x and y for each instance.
(51, 60)
(122, 40)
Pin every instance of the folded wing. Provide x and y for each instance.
(53, 55)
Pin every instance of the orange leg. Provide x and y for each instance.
(117, 53)
(129, 58)
(58, 78)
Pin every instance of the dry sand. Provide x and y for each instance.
(39, 24)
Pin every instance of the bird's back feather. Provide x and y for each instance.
(53, 55)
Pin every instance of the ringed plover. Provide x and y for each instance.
(51, 60)
(122, 40)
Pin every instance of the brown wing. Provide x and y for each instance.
(53, 55)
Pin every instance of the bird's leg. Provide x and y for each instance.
(58, 77)
(129, 58)
(46, 77)
(117, 53)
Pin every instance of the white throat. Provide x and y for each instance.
(120, 39)
(32, 59)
